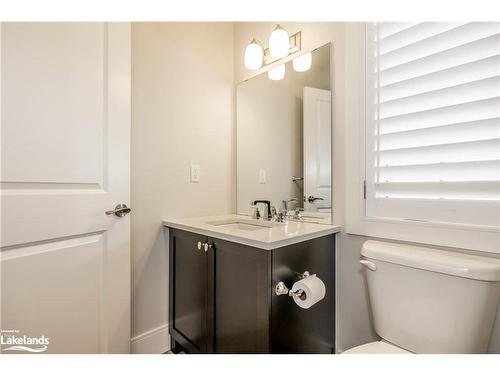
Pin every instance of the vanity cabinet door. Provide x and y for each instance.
(242, 298)
(190, 292)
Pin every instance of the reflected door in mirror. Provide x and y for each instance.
(317, 150)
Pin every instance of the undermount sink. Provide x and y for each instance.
(244, 224)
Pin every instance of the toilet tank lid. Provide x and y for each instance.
(457, 264)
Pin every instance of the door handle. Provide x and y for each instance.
(120, 210)
(311, 199)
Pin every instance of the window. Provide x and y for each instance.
(432, 113)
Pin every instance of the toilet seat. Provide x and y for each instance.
(377, 347)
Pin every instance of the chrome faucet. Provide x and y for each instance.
(284, 214)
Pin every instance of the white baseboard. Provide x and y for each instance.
(155, 341)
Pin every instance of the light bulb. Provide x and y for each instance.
(302, 62)
(254, 55)
(279, 43)
(277, 73)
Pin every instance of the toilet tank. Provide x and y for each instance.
(431, 301)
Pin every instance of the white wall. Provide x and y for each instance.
(182, 112)
(353, 315)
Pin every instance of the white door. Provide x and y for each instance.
(65, 122)
(317, 150)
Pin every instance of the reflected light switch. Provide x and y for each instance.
(262, 176)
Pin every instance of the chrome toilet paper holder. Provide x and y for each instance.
(281, 289)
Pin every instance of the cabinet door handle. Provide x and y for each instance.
(204, 246)
(207, 246)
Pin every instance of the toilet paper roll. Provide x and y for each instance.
(313, 288)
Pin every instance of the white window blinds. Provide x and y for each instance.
(433, 122)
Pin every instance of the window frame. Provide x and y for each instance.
(466, 236)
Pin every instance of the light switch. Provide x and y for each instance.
(195, 172)
(262, 176)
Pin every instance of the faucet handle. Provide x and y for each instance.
(285, 203)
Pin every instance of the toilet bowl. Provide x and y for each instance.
(377, 347)
(425, 300)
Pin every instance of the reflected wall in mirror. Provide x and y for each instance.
(284, 134)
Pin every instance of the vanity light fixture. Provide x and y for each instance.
(280, 46)
(276, 74)
(279, 43)
(303, 62)
(254, 55)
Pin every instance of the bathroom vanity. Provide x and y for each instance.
(223, 275)
(224, 270)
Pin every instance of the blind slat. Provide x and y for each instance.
(456, 171)
(414, 34)
(469, 92)
(451, 77)
(473, 111)
(464, 54)
(465, 151)
(464, 190)
(456, 133)
(450, 39)
(387, 29)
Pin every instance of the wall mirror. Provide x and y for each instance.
(284, 140)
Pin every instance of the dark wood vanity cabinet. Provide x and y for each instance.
(222, 300)
(190, 294)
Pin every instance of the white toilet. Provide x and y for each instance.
(429, 301)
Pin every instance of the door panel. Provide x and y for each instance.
(61, 115)
(65, 117)
(242, 298)
(317, 149)
(53, 288)
(189, 291)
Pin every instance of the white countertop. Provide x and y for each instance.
(267, 238)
